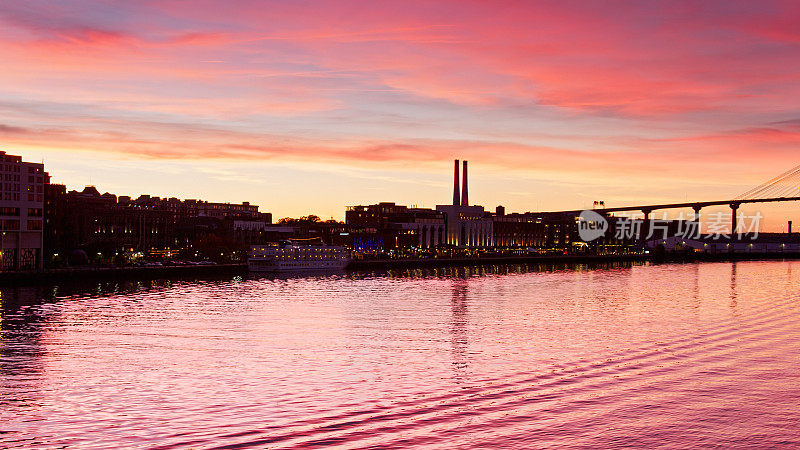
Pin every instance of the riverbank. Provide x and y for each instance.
(214, 270)
(566, 259)
(711, 257)
(167, 271)
(447, 262)
(104, 273)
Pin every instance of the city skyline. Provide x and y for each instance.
(554, 105)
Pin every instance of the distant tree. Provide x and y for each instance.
(304, 220)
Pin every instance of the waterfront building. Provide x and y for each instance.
(242, 210)
(722, 244)
(399, 227)
(363, 240)
(558, 231)
(467, 226)
(107, 228)
(252, 232)
(21, 213)
(551, 231)
(100, 227)
(183, 209)
(311, 227)
(520, 230)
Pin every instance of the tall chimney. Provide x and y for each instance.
(790, 227)
(464, 194)
(456, 195)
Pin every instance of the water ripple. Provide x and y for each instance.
(638, 355)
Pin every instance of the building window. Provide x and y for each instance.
(9, 258)
(29, 257)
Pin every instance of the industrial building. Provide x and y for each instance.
(467, 226)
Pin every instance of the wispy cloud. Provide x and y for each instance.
(557, 90)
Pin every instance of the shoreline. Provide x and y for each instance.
(101, 273)
(358, 265)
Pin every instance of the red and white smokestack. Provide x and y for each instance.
(455, 185)
(464, 194)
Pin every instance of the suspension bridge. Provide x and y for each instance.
(783, 188)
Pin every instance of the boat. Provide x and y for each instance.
(297, 255)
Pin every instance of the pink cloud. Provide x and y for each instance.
(660, 73)
(588, 59)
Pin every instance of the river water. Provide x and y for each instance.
(675, 355)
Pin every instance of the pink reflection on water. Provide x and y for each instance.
(677, 355)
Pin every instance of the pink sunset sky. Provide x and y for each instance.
(306, 107)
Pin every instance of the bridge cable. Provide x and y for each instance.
(774, 186)
(770, 189)
(761, 188)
